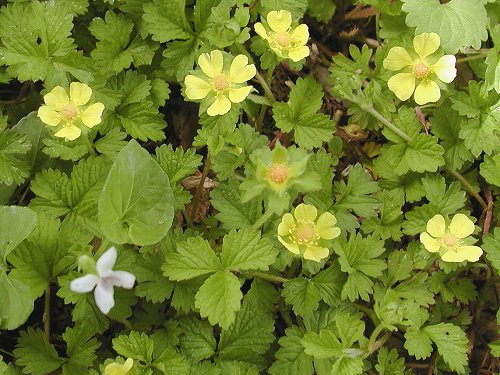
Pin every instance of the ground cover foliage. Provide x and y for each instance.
(241, 187)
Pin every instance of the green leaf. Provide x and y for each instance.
(136, 202)
(468, 16)
(491, 245)
(13, 148)
(489, 169)
(329, 283)
(311, 129)
(136, 345)
(17, 224)
(245, 250)
(153, 285)
(321, 10)
(290, 357)
(194, 257)
(296, 7)
(452, 344)
(389, 363)
(166, 20)
(17, 303)
(171, 363)
(111, 143)
(322, 345)
(388, 224)
(35, 354)
(81, 347)
(302, 294)
(177, 164)
(418, 343)
(197, 341)
(219, 298)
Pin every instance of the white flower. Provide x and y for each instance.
(104, 281)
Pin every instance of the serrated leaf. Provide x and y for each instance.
(177, 163)
(166, 20)
(219, 298)
(81, 347)
(418, 343)
(290, 357)
(491, 245)
(322, 345)
(489, 169)
(136, 345)
(389, 363)
(197, 340)
(451, 342)
(13, 148)
(302, 294)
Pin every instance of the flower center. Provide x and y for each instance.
(278, 173)
(283, 39)
(305, 232)
(449, 240)
(69, 112)
(420, 69)
(221, 82)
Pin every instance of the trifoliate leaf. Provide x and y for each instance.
(219, 298)
(197, 341)
(136, 345)
(135, 205)
(245, 250)
(35, 354)
(468, 16)
(225, 26)
(302, 294)
(311, 129)
(290, 357)
(194, 257)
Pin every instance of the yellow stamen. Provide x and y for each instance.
(222, 82)
(420, 69)
(69, 112)
(449, 240)
(278, 173)
(283, 39)
(305, 233)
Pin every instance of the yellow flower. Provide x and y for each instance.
(449, 241)
(420, 66)
(69, 113)
(305, 235)
(119, 369)
(283, 40)
(222, 85)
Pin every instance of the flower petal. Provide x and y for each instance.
(329, 233)
(326, 228)
(316, 253)
(461, 226)
(305, 212)
(427, 91)
(431, 244)
(49, 116)
(240, 94)
(402, 84)
(128, 364)
(196, 88)
(220, 106)
(70, 132)
(397, 59)
(104, 297)
(279, 21)
(287, 222)
(79, 93)
(84, 284)
(470, 253)
(298, 53)
(106, 262)
(211, 64)
(436, 226)
(92, 115)
(123, 279)
(57, 98)
(240, 71)
(426, 44)
(445, 68)
(453, 256)
(119, 369)
(300, 34)
(261, 31)
(292, 247)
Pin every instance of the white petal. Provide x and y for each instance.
(84, 284)
(106, 261)
(122, 279)
(104, 298)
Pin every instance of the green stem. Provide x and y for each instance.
(89, 145)
(262, 219)
(471, 57)
(387, 123)
(371, 314)
(293, 267)
(267, 277)
(468, 187)
(197, 194)
(46, 314)
(267, 90)
(379, 343)
(374, 336)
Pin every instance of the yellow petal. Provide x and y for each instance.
(79, 93)
(445, 68)
(220, 106)
(461, 226)
(279, 21)
(57, 98)
(287, 222)
(240, 71)
(402, 84)
(436, 226)
(298, 53)
(118, 369)
(128, 364)
(316, 253)
(397, 59)
(294, 248)
(305, 212)
(196, 88)
(470, 253)
(430, 244)
(326, 226)
(300, 34)
(427, 91)
(70, 132)
(211, 64)
(49, 116)
(453, 256)
(92, 115)
(426, 44)
(261, 31)
(329, 233)
(238, 95)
